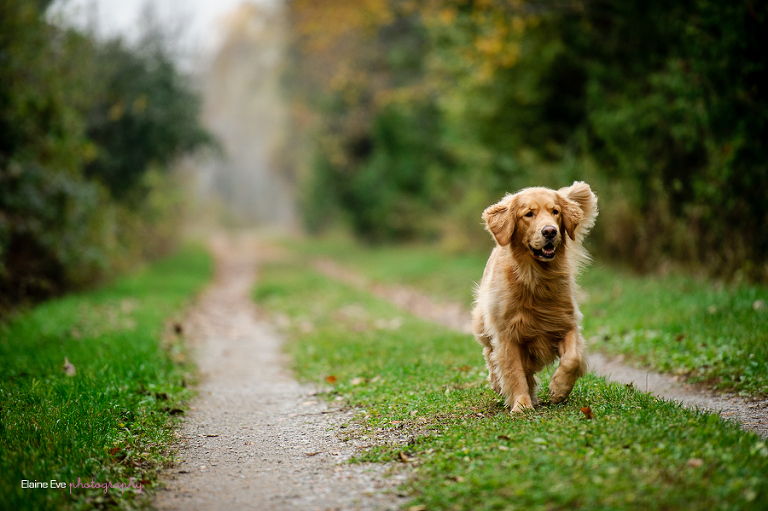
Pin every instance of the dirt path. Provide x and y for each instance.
(752, 414)
(255, 438)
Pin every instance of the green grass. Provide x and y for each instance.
(710, 333)
(420, 390)
(112, 419)
(443, 275)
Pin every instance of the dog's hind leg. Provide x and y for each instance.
(484, 339)
(493, 372)
(533, 384)
(572, 366)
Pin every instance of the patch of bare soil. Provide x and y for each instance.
(255, 438)
(751, 414)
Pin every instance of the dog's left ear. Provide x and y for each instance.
(571, 215)
(500, 220)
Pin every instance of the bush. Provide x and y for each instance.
(659, 106)
(79, 174)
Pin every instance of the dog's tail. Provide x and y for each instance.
(580, 193)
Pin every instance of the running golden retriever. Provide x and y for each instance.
(525, 313)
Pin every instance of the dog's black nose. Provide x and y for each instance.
(549, 232)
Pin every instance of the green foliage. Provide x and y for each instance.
(422, 397)
(146, 114)
(386, 197)
(658, 106)
(110, 420)
(50, 235)
(87, 130)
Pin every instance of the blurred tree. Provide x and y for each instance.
(59, 227)
(146, 114)
(661, 106)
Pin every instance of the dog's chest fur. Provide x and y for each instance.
(534, 308)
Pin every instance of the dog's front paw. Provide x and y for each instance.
(521, 404)
(559, 390)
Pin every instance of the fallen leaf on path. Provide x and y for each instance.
(68, 368)
(313, 453)
(421, 507)
(587, 411)
(330, 379)
(404, 457)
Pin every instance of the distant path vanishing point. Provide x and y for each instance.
(752, 414)
(256, 439)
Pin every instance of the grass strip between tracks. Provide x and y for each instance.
(423, 401)
(707, 332)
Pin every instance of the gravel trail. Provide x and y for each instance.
(256, 439)
(751, 414)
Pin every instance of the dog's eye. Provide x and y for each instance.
(529, 214)
(554, 212)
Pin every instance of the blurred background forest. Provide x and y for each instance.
(400, 120)
(88, 130)
(409, 117)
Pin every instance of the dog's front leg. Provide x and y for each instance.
(511, 375)
(573, 364)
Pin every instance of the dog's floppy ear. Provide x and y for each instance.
(500, 219)
(572, 215)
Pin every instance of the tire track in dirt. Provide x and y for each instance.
(751, 414)
(255, 438)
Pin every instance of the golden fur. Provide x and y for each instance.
(525, 313)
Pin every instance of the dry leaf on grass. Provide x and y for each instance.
(68, 368)
(587, 411)
(330, 379)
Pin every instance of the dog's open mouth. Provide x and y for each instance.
(545, 253)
